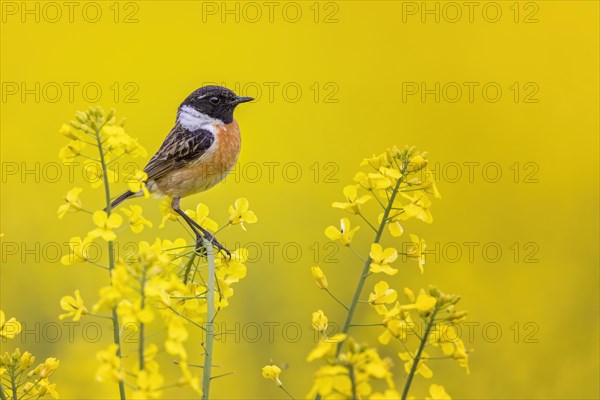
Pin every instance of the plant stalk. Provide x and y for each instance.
(111, 262)
(367, 264)
(210, 316)
(417, 358)
(142, 326)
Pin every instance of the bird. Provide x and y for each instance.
(198, 153)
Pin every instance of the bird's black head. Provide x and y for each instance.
(215, 101)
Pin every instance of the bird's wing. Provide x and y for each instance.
(180, 147)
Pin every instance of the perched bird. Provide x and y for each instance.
(199, 152)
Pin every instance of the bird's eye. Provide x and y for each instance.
(214, 100)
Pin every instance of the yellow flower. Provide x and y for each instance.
(331, 382)
(68, 131)
(444, 336)
(46, 388)
(390, 173)
(416, 250)
(137, 182)
(353, 202)
(395, 227)
(326, 347)
(393, 223)
(148, 384)
(109, 296)
(78, 250)
(455, 347)
(74, 307)
(232, 269)
(132, 313)
(380, 259)
(45, 369)
(110, 365)
(272, 372)
(167, 212)
(344, 234)
(382, 160)
(73, 202)
(239, 213)
(319, 321)
(372, 180)
(382, 295)
(430, 184)
(437, 392)
(70, 151)
(201, 217)
(136, 220)
(422, 368)
(389, 394)
(48, 367)
(9, 329)
(188, 379)
(416, 163)
(94, 174)
(176, 335)
(105, 225)
(394, 328)
(26, 361)
(319, 277)
(424, 303)
(418, 207)
(118, 142)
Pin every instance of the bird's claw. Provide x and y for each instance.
(214, 242)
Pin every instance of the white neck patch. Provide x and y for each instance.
(192, 119)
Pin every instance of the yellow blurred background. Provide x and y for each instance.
(504, 96)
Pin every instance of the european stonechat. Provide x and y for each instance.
(199, 152)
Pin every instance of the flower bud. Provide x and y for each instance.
(67, 131)
(26, 360)
(416, 163)
(319, 277)
(81, 117)
(457, 315)
(434, 291)
(111, 114)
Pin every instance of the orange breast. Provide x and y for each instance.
(208, 170)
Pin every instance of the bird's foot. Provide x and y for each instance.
(213, 240)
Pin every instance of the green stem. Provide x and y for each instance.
(367, 264)
(286, 392)
(368, 223)
(188, 267)
(336, 299)
(210, 315)
(191, 321)
(2, 394)
(417, 358)
(142, 326)
(30, 388)
(111, 262)
(13, 382)
(352, 380)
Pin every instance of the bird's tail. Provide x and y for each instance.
(121, 199)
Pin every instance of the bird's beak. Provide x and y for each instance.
(241, 99)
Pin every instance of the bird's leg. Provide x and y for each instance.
(197, 229)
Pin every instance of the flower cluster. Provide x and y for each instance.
(398, 184)
(20, 378)
(348, 373)
(163, 285)
(437, 313)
